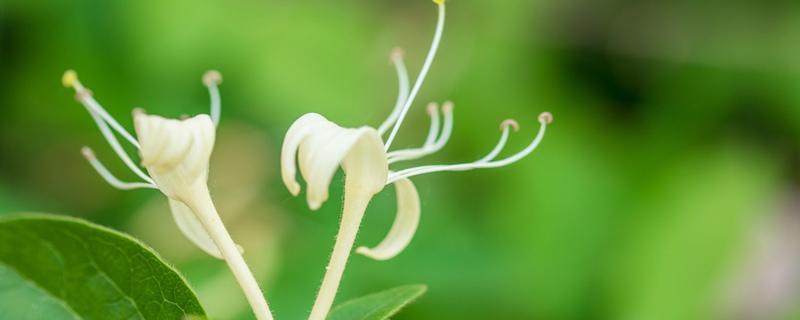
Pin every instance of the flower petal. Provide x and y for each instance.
(175, 152)
(404, 226)
(321, 146)
(193, 229)
(297, 132)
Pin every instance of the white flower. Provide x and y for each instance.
(175, 153)
(320, 146)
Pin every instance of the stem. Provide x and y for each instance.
(354, 206)
(204, 208)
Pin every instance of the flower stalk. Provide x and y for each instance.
(201, 204)
(355, 204)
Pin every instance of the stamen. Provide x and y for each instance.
(447, 109)
(70, 78)
(504, 126)
(433, 112)
(437, 37)
(110, 178)
(212, 79)
(457, 167)
(511, 123)
(544, 119)
(84, 96)
(428, 148)
(406, 154)
(402, 90)
(112, 140)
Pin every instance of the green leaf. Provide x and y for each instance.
(54, 267)
(21, 299)
(378, 306)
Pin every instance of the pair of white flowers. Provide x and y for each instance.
(175, 154)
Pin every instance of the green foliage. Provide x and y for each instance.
(378, 306)
(22, 299)
(671, 138)
(65, 268)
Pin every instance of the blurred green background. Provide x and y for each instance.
(668, 186)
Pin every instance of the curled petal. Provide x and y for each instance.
(321, 146)
(301, 128)
(193, 229)
(404, 226)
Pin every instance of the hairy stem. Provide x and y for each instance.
(355, 204)
(204, 208)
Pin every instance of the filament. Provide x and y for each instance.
(485, 162)
(112, 140)
(447, 109)
(503, 139)
(402, 90)
(84, 96)
(430, 146)
(212, 79)
(110, 178)
(433, 112)
(424, 72)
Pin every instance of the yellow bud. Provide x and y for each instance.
(69, 78)
(439, 2)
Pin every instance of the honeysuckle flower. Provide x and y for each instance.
(319, 147)
(175, 154)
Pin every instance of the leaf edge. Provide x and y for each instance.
(422, 289)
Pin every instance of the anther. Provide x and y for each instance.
(546, 118)
(69, 78)
(212, 78)
(509, 123)
(397, 54)
(88, 153)
(432, 108)
(447, 107)
(439, 2)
